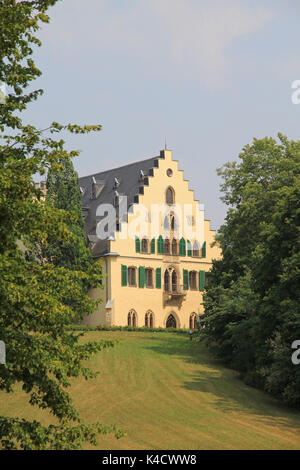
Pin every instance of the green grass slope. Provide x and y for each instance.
(166, 392)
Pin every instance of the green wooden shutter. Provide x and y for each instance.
(160, 245)
(158, 278)
(123, 275)
(201, 280)
(203, 250)
(142, 276)
(185, 279)
(152, 246)
(182, 247)
(137, 245)
(189, 248)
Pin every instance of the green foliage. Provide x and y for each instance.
(38, 300)
(63, 193)
(127, 328)
(252, 312)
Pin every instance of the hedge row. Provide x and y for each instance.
(126, 328)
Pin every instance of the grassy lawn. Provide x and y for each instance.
(166, 392)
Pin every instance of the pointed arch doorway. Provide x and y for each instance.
(171, 322)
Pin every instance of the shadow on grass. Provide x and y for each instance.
(228, 392)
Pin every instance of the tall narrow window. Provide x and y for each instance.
(145, 245)
(193, 321)
(196, 248)
(174, 281)
(170, 196)
(173, 222)
(149, 319)
(132, 318)
(167, 281)
(149, 277)
(132, 276)
(167, 246)
(193, 280)
(174, 247)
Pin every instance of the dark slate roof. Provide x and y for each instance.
(130, 185)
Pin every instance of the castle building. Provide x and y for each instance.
(144, 223)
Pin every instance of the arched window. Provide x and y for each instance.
(173, 222)
(193, 321)
(171, 322)
(149, 319)
(167, 281)
(132, 318)
(170, 196)
(145, 245)
(167, 246)
(174, 247)
(193, 280)
(174, 281)
(196, 248)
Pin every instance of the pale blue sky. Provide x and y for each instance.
(207, 75)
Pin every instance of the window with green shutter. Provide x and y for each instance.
(137, 245)
(189, 248)
(160, 245)
(123, 275)
(142, 276)
(158, 278)
(182, 247)
(185, 279)
(152, 246)
(203, 250)
(202, 280)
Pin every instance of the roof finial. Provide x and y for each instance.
(165, 143)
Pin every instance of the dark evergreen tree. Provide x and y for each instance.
(63, 193)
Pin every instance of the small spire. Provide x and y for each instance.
(165, 143)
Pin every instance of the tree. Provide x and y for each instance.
(63, 193)
(38, 300)
(252, 313)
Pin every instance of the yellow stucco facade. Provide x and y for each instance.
(151, 277)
